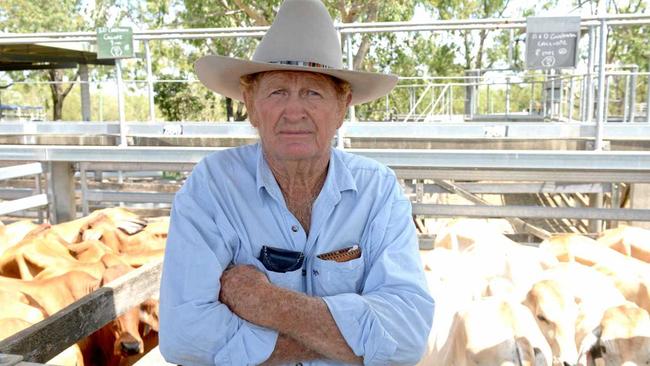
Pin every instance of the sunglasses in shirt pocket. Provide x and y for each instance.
(283, 267)
(339, 271)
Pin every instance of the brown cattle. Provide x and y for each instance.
(10, 326)
(18, 309)
(71, 356)
(118, 339)
(13, 233)
(42, 242)
(55, 293)
(89, 251)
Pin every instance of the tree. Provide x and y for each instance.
(185, 101)
(19, 16)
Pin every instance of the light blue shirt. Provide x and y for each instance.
(231, 206)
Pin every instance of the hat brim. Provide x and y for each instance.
(221, 74)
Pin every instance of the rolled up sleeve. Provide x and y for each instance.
(195, 328)
(389, 322)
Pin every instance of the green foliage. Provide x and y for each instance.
(427, 54)
(179, 101)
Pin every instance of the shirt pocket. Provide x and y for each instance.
(293, 280)
(331, 277)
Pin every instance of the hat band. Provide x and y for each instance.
(301, 63)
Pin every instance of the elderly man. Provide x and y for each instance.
(289, 251)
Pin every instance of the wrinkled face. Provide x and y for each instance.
(296, 114)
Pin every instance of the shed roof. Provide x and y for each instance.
(38, 56)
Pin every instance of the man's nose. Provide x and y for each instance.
(294, 109)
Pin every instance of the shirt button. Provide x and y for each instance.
(294, 228)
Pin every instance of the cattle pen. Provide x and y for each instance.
(48, 338)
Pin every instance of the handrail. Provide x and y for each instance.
(434, 25)
(24, 203)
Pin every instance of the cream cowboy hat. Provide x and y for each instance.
(302, 38)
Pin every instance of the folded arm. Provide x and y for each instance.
(388, 323)
(195, 328)
(303, 319)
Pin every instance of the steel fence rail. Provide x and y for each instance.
(395, 131)
(343, 28)
(555, 161)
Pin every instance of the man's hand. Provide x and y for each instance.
(242, 289)
(307, 320)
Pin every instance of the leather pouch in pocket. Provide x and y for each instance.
(281, 260)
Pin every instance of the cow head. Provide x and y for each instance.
(623, 338)
(124, 329)
(556, 312)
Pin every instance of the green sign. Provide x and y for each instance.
(114, 42)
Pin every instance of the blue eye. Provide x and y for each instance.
(278, 92)
(313, 93)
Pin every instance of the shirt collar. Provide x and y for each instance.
(338, 179)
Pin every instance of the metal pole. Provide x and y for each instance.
(590, 68)
(83, 168)
(147, 55)
(626, 101)
(570, 111)
(602, 51)
(62, 173)
(488, 101)
(451, 98)
(561, 96)
(350, 67)
(609, 80)
(449, 103)
(507, 96)
(475, 103)
(544, 93)
(39, 190)
(552, 78)
(84, 87)
(647, 99)
(635, 70)
(583, 98)
(120, 103)
(511, 43)
(387, 113)
(615, 199)
(532, 97)
(340, 133)
(101, 102)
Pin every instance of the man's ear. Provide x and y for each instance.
(248, 102)
(348, 100)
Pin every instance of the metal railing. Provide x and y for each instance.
(347, 31)
(38, 199)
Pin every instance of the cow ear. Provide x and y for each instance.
(589, 343)
(540, 359)
(598, 331)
